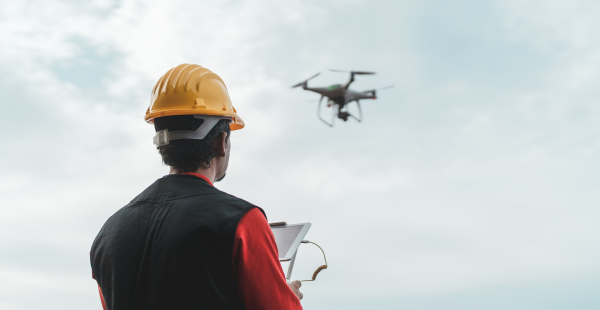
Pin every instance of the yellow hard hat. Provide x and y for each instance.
(192, 90)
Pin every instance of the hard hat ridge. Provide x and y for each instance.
(183, 77)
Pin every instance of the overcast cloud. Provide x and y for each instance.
(470, 185)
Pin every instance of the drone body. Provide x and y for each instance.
(340, 96)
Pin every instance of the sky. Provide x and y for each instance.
(469, 185)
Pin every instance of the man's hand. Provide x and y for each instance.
(295, 286)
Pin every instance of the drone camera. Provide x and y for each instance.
(344, 115)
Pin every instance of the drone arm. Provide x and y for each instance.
(350, 81)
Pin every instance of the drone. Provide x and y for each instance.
(340, 96)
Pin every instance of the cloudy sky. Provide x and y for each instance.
(472, 184)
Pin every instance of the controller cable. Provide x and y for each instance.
(320, 267)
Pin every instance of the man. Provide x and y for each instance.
(181, 243)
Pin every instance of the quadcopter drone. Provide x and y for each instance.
(339, 96)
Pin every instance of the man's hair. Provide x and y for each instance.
(187, 155)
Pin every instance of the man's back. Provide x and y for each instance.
(171, 248)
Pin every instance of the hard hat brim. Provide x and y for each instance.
(236, 121)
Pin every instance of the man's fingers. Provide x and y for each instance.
(295, 286)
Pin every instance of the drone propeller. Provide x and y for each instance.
(374, 91)
(310, 78)
(355, 72)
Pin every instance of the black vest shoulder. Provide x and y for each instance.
(171, 247)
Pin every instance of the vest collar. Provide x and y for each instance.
(200, 176)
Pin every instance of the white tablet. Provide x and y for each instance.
(288, 238)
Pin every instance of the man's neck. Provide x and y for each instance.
(210, 173)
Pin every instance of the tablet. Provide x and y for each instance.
(288, 238)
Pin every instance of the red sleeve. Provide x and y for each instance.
(261, 281)
(99, 291)
(102, 298)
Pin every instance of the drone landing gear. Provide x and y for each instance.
(344, 115)
(321, 118)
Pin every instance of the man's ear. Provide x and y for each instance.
(219, 144)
